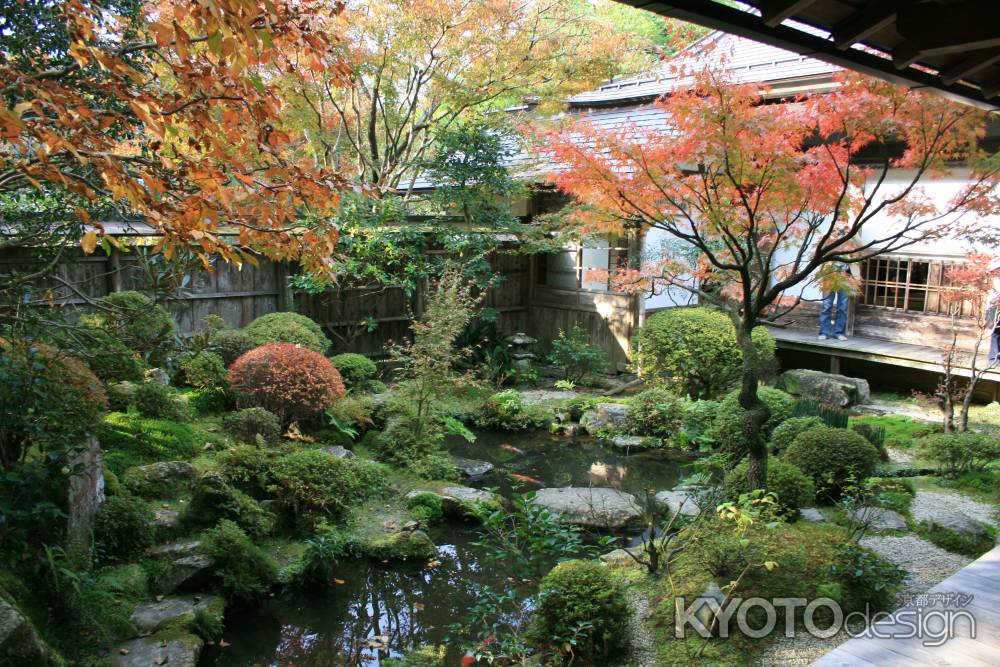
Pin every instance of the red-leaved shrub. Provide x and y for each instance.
(291, 381)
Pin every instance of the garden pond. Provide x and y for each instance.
(380, 611)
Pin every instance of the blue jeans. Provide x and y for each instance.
(835, 304)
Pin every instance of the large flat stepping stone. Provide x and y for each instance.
(189, 569)
(811, 515)
(149, 617)
(182, 651)
(592, 507)
(536, 396)
(634, 443)
(879, 518)
(958, 523)
(472, 468)
(679, 500)
(337, 451)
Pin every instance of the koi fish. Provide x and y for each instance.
(526, 479)
(468, 659)
(511, 448)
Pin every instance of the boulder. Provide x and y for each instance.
(170, 650)
(150, 617)
(634, 443)
(537, 396)
(19, 643)
(592, 507)
(811, 515)
(166, 521)
(338, 451)
(157, 375)
(879, 518)
(472, 468)
(829, 388)
(188, 568)
(604, 417)
(459, 500)
(159, 480)
(681, 500)
(959, 523)
(405, 545)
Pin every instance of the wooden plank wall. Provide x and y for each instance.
(340, 311)
(609, 319)
(236, 294)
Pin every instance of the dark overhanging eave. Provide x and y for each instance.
(728, 19)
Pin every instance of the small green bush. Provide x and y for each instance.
(208, 625)
(427, 508)
(584, 602)
(209, 401)
(696, 346)
(230, 345)
(655, 412)
(874, 435)
(958, 453)
(315, 485)
(140, 324)
(246, 467)
(576, 406)
(109, 358)
(869, 579)
(204, 370)
(969, 545)
(699, 418)
(288, 328)
(575, 355)
(831, 416)
(159, 401)
(243, 570)
(784, 434)
(833, 457)
(727, 429)
(214, 499)
(507, 410)
(130, 440)
(123, 529)
(355, 369)
(248, 424)
(794, 490)
(212, 324)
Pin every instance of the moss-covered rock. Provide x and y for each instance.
(457, 500)
(174, 612)
(19, 643)
(405, 545)
(164, 479)
(169, 647)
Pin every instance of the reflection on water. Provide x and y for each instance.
(380, 612)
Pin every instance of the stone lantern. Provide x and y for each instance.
(520, 350)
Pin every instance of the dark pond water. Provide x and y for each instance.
(412, 606)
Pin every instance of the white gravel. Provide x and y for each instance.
(899, 455)
(642, 650)
(928, 504)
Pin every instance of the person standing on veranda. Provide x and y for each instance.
(838, 283)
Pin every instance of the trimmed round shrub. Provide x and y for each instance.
(123, 529)
(355, 369)
(290, 381)
(48, 400)
(245, 425)
(209, 401)
(245, 467)
(243, 570)
(159, 401)
(109, 358)
(204, 370)
(727, 430)
(288, 328)
(316, 485)
(792, 487)
(655, 412)
(140, 324)
(230, 345)
(786, 432)
(697, 347)
(833, 457)
(578, 592)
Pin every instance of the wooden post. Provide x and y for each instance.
(835, 364)
(286, 300)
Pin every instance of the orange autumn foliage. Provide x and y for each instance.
(291, 381)
(174, 115)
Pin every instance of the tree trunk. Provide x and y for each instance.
(756, 412)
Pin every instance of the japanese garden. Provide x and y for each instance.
(423, 333)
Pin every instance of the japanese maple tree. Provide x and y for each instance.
(169, 110)
(760, 196)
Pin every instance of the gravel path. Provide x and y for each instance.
(928, 504)
(899, 455)
(642, 649)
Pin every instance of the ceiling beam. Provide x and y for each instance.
(775, 11)
(991, 89)
(970, 65)
(728, 19)
(872, 18)
(939, 29)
